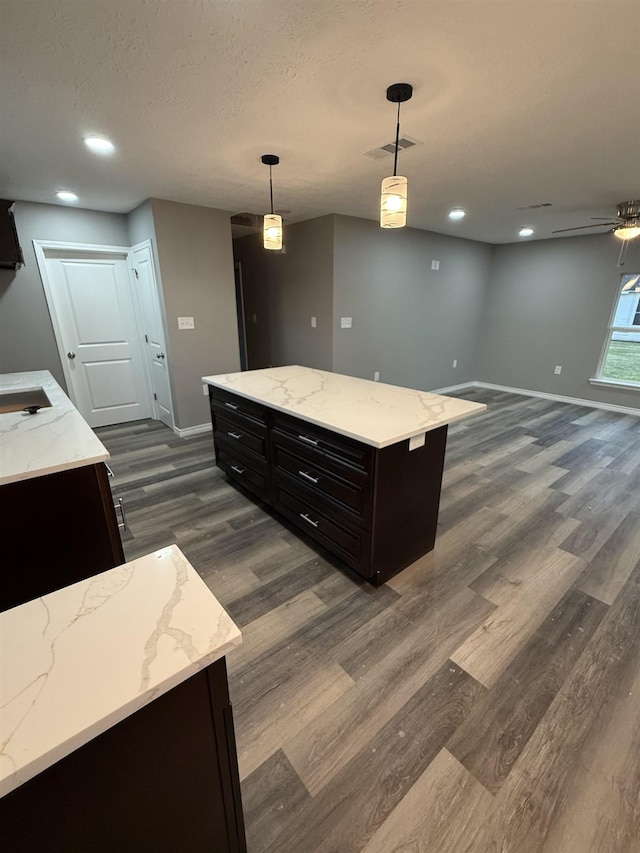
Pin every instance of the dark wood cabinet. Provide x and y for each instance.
(56, 530)
(164, 779)
(375, 509)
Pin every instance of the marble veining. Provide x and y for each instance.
(372, 412)
(55, 439)
(77, 661)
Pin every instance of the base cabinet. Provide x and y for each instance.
(375, 509)
(164, 780)
(56, 530)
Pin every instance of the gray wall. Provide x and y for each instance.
(196, 269)
(27, 341)
(549, 303)
(283, 292)
(140, 224)
(409, 322)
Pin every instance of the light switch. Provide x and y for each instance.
(345, 322)
(186, 323)
(314, 322)
(435, 265)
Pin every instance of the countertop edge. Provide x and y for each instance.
(54, 469)
(65, 748)
(121, 586)
(378, 445)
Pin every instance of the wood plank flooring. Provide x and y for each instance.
(485, 699)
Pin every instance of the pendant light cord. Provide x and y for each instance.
(395, 159)
(271, 186)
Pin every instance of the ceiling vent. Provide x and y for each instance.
(536, 206)
(389, 148)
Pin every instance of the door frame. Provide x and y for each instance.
(240, 311)
(40, 248)
(148, 244)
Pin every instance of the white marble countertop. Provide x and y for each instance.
(371, 412)
(55, 439)
(77, 661)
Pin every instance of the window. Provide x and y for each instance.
(621, 356)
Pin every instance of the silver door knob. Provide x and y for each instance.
(71, 355)
(160, 355)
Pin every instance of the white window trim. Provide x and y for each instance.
(599, 379)
(616, 383)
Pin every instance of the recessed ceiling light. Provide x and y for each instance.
(99, 144)
(457, 213)
(66, 195)
(527, 231)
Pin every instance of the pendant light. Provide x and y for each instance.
(272, 233)
(393, 193)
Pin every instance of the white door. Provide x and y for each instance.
(154, 346)
(92, 309)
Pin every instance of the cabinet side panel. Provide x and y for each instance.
(56, 530)
(406, 502)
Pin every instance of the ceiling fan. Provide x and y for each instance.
(626, 226)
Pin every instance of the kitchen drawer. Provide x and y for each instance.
(349, 543)
(347, 458)
(317, 480)
(241, 433)
(223, 401)
(246, 473)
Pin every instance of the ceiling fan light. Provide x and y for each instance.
(272, 233)
(627, 232)
(393, 202)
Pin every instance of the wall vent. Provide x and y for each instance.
(536, 206)
(388, 149)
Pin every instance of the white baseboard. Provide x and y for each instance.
(450, 388)
(575, 401)
(187, 432)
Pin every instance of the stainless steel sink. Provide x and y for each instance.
(29, 400)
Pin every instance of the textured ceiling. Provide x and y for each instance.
(516, 102)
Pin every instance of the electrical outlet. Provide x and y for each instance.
(345, 322)
(205, 390)
(435, 265)
(376, 376)
(558, 369)
(314, 322)
(455, 362)
(186, 323)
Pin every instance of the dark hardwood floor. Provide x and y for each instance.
(485, 699)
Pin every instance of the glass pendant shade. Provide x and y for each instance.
(272, 231)
(393, 202)
(627, 233)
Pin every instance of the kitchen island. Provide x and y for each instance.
(58, 517)
(116, 723)
(355, 464)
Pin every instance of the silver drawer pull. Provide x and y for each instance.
(304, 474)
(308, 520)
(230, 406)
(109, 471)
(237, 470)
(119, 505)
(308, 440)
(235, 435)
